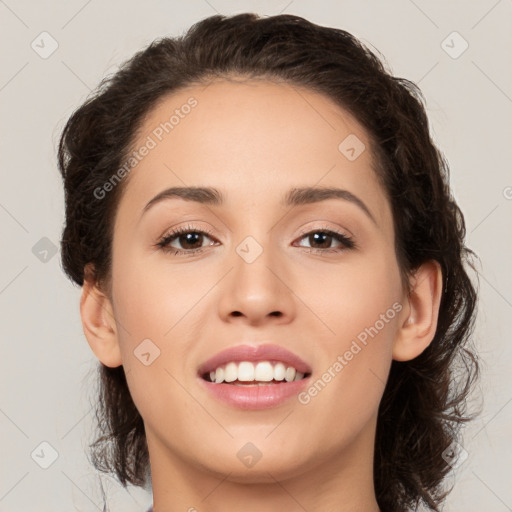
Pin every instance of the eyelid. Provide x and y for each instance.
(326, 225)
(185, 229)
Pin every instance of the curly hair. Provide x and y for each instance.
(424, 403)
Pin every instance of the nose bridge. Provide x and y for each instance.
(256, 286)
(253, 260)
(252, 237)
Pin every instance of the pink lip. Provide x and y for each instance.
(255, 397)
(267, 352)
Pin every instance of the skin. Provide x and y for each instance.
(254, 140)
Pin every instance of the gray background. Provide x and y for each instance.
(47, 367)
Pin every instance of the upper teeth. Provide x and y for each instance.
(245, 371)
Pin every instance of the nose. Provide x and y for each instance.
(257, 290)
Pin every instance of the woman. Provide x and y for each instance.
(272, 272)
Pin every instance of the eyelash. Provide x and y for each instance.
(163, 243)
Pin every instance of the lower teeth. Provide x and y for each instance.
(253, 384)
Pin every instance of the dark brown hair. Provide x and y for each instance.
(424, 402)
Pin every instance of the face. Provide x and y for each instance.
(318, 278)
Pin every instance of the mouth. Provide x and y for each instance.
(247, 373)
(254, 377)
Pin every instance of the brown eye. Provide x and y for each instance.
(325, 238)
(188, 239)
(322, 239)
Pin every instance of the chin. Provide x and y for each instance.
(267, 469)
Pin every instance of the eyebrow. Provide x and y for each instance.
(294, 197)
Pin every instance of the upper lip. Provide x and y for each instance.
(266, 352)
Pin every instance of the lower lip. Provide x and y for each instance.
(255, 396)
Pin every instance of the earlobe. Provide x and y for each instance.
(419, 324)
(99, 324)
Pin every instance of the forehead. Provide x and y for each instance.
(252, 138)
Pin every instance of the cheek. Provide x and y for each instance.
(151, 313)
(361, 309)
(156, 306)
(354, 296)
(151, 297)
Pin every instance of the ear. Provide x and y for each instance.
(98, 322)
(419, 319)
